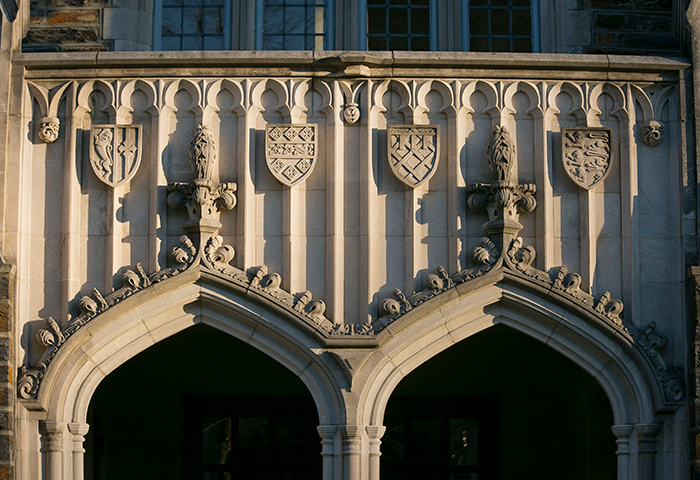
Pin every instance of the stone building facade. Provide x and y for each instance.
(349, 263)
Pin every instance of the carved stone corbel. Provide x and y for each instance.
(48, 129)
(652, 133)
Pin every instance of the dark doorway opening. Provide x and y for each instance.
(533, 413)
(141, 415)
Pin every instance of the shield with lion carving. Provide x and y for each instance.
(115, 152)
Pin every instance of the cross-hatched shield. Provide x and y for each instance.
(413, 152)
(291, 151)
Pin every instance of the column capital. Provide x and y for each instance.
(351, 431)
(647, 431)
(78, 429)
(50, 427)
(622, 431)
(376, 431)
(326, 431)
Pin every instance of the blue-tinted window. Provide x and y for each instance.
(398, 25)
(294, 24)
(193, 25)
(500, 26)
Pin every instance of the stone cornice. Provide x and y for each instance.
(349, 64)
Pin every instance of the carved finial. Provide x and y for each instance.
(501, 155)
(203, 198)
(203, 153)
(504, 198)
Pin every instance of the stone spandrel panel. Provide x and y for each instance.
(351, 218)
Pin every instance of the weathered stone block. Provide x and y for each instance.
(5, 472)
(5, 421)
(5, 448)
(6, 396)
(654, 4)
(69, 3)
(650, 42)
(76, 16)
(62, 35)
(4, 317)
(607, 4)
(603, 39)
(647, 23)
(5, 349)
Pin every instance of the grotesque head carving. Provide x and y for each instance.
(48, 129)
(652, 133)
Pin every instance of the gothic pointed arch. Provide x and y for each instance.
(503, 287)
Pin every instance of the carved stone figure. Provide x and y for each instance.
(586, 155)
(413, 152)
(652, 133)
(291, 151)
(115, 152)
(48, 129)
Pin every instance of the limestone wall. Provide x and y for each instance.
(351, 232)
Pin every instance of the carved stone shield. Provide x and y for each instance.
(115, 152)
(413, 152)
(291, 151)
(586, 154)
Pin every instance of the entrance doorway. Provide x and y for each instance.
(498, 405)
(202, 405)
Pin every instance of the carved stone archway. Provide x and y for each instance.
(64, 385)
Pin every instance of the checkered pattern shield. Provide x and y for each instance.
(291, 151)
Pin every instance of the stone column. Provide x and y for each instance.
(78, 430)
(327, 433)
(623, 432)
(375, 433)
(352, 451)
(52, 436)
(646, 437)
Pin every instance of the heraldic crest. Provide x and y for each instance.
(115, 152)
(291, 151)
(586, 153)
(413, 152)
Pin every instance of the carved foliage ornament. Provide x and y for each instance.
(586, 155)
(413, 152)
(214, 257)
(115, 152)
(291, 151)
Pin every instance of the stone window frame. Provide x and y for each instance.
(158, 25)
(328, 31)
(347, 25)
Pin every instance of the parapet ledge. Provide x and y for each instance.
(351, 63)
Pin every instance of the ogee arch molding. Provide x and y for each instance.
(501, 298)
(164, 309)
